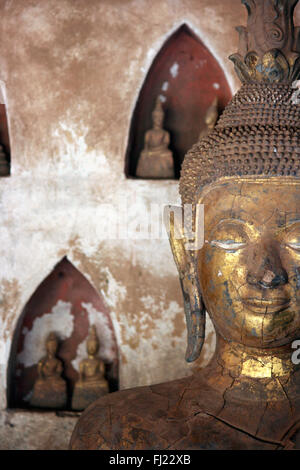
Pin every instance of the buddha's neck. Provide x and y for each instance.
(241, 361)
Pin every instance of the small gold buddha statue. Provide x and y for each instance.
(91, 384)
(50, 388)
(246, 274)
(4, 165)
(156, 160)
(211, 118)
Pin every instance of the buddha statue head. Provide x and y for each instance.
(92, 344)
(246, 173)
(51, 344)
(158, 114)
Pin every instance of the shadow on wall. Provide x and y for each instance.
(187, 77)
(67, 304)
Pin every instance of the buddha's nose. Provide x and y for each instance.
(266, 271)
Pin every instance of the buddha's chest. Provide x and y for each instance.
(156, 138)
(49, 367)
(91, 368)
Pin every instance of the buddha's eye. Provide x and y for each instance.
(228, 245)
(229, 236)
(294, 245)
(292, 238)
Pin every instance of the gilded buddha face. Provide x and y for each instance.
(92, 347)
(157, 119)
(51, 346)
(249, 266)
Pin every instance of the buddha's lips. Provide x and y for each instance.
(266, 305)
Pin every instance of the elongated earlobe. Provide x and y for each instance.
(185, 260)
(195, 319)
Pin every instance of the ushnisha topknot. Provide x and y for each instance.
(258, 133)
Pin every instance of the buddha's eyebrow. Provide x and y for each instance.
(292, 222)
(230, 221)
(226, 222)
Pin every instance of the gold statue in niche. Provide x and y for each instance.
(211, 118)
(156, 160)
(246, 275)
(91, 384)
(50, 388)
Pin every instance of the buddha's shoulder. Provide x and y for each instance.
(137, 418)
(177, 415)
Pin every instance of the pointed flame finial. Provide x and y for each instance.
(158, 106)
(270, 45)
(93, 337)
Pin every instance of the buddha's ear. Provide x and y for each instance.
(173, 219)
(185, 259)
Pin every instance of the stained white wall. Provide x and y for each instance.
(70, 74)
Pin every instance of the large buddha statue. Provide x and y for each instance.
(91, 383)
(246, 273)
(50, 388)
(156, 160)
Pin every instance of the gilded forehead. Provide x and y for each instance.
(274, 200)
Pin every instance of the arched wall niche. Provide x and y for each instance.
(4, 136)
(66, 303)
(5, 155)
(187, 77)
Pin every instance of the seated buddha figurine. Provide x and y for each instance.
(156, 160)
(245, 274)
(91, 384)
(211, 118)
(50, 388)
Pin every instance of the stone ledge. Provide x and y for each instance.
(36, 430)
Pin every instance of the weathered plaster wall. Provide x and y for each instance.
(70, 74)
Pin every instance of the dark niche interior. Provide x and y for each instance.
(4, 142)
(64, 289)
(187, 77)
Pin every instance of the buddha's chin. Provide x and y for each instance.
(274, 328)
(257, 330)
